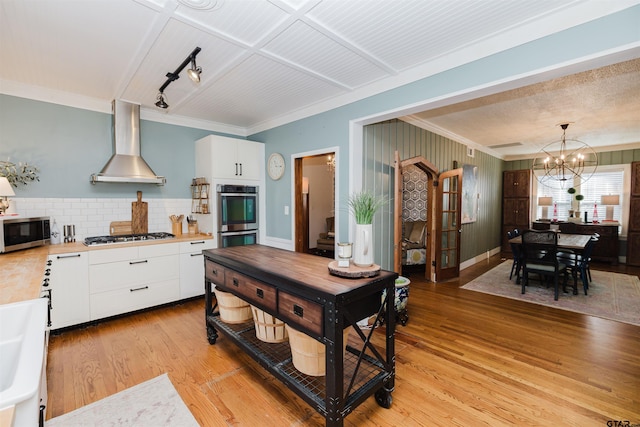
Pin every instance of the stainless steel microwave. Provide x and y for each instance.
(23, 232)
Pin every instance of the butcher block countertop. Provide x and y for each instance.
(22, 271)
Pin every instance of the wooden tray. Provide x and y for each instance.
(353, 271)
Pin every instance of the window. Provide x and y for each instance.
(604, 182)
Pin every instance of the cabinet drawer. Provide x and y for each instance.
(124, 300)
(111, 276)
(101, 256)
(155, 250)
(252, 290)
(299, 311)
(214, 272)
(196, 246)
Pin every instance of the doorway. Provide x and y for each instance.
(437, 242)
(315, 203)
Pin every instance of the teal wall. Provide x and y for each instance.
(69, 144)
(383, 139)
(332, 128)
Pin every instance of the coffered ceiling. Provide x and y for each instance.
(268, 62)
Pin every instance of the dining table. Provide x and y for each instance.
(565, 241)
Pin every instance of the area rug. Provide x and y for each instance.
(154, 403)
(611, 296)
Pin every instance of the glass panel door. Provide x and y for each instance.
(450, 197)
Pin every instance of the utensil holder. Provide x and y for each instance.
(193, 228)
(176, 228)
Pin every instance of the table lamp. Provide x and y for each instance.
(545, 202)
(610, 201)
(5, 191)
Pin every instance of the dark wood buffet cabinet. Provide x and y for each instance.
(298, 289)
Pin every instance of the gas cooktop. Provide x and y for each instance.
(105, 240)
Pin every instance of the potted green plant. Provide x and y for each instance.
(364, 205)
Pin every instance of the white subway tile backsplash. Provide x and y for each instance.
(92, 216)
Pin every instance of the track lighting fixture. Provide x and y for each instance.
(194, 74)
(161, 103)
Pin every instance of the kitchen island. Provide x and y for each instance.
(298, 289)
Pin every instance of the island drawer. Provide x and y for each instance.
(251, 290)
(300, 312)
(214, 272)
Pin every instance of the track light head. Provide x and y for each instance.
(161, 103)
(194, 71)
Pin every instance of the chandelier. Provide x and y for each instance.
(565, 161)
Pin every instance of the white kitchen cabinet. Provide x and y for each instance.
(229, 158)
(69, 286)
(192, 267)
(122, 280)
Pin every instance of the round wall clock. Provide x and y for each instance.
(275, 166)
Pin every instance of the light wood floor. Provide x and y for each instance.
(464, 359)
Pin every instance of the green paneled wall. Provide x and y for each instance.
(381, 140)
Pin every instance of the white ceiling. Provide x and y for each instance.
(267, 62)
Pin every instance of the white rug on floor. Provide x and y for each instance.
(154, 403)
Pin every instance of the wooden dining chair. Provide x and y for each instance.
(548, 266)
(578, 263)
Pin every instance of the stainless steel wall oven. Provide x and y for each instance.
(237, 215)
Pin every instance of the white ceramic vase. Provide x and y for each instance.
(362, 246)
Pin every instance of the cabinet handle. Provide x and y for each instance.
(139, 289)
(260, 293)
(201, 242)
(214, 272)
(68, 256)
(240, 169)
(235, 282)
(45, 282)
(47, 272)
(196, 254)
(297, 310)
(138, 262)
(236, 169)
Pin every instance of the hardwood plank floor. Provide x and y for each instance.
(464, 358)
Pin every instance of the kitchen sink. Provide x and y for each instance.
(22, 352)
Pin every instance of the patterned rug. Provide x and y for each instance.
(612, 296)
(152, 403)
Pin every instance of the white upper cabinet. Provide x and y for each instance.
(229, 158)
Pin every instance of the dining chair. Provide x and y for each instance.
(515, 251)
(578, 264)
(548, 266)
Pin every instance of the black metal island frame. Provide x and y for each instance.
(298, 289)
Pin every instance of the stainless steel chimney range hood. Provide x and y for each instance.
(127, 165)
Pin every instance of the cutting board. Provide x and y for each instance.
(120, 228)
(139, 216)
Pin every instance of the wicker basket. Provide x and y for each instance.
(268, 328)
(307, 354)
(232, 309)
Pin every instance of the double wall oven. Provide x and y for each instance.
(237, 215)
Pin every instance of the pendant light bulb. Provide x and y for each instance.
(194, 71)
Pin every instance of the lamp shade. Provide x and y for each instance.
(5, 187)
(610, 200)
(545, 201)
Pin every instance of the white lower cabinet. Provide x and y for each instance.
(128, 279)
(68, 275)
(192, 267)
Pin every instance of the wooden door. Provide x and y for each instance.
(432, 214)
(449, 225)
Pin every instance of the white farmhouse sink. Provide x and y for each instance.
(22, 342)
